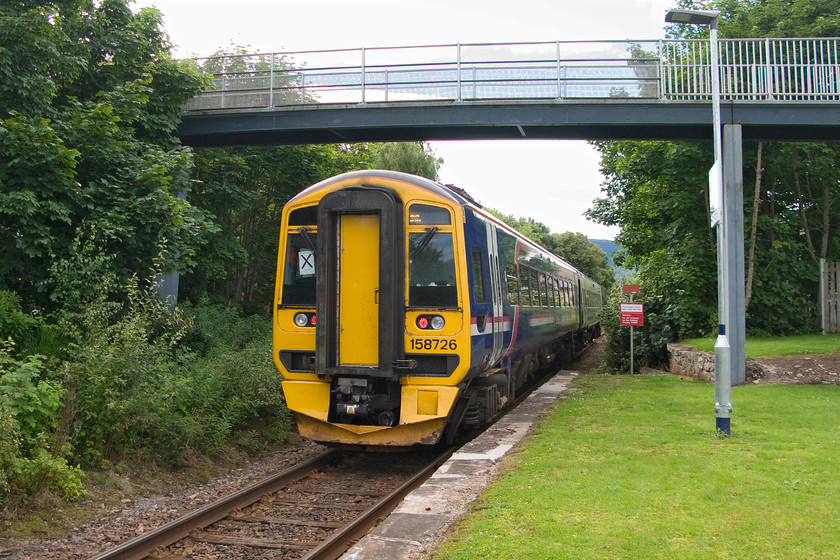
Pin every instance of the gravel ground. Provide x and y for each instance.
(145, 513)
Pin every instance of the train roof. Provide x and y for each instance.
(438, 189)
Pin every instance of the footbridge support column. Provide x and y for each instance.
(733, 247)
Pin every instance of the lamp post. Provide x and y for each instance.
(723, 354)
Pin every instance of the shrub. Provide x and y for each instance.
(649, 341)
(29, 405)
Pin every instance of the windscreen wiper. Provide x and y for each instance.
(304, 233)
(430, 232)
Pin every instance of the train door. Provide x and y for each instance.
(358, 290)
(360, 282)
(580, 303)
(497, 319)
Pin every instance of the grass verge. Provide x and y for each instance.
(778, 345)
(630, 467)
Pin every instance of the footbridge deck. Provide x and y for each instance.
(774, 88)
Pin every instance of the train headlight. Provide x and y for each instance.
(430, 322)
(302, 320)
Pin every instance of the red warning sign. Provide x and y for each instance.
(632, 314)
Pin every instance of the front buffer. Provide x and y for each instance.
(423, 412)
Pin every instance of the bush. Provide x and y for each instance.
(29, 405)
(142, 387)
(131, 379)
(649, 341)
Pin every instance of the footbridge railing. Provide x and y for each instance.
(758, 70)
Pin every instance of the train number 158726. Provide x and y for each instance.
(433, 344)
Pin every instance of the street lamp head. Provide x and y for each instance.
(697, 17)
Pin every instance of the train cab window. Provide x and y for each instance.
(431, 258)
(512, 284)
(307, 216)
(478, 278)
(299, 269)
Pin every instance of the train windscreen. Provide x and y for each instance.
(299, 270)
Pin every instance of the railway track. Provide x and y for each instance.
(314, 510)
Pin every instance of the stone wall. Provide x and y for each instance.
(688, 362)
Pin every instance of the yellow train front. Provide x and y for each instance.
(394, 321)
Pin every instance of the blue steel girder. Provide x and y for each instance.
(595, 119)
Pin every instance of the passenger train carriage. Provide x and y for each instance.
(404, 311)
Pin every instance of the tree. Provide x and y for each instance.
(657, 192)
(584, 255)
(89, 98)
(416, 158)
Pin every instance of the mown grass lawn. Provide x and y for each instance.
(778, 345)
(630, 467)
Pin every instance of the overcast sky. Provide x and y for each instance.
(553, 182)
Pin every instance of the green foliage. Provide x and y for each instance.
(29, 405)
(95, 201)
(584, 255)
(148, 382)
(89, 98)
(779, 18)
(33, 400)
(416, 158)
(14, 323)
(9, 449)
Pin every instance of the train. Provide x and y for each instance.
(404, 311)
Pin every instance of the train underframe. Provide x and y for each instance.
(367, 406)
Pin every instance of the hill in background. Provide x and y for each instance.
(610, 247)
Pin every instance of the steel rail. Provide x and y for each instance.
(338, 542)
(175, 530)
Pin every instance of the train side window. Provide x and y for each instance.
(431, 269)
(535, 287)
(299, 270)
(549, 283)
(524, 285)
(566, 301)
(558, 302)
(543, 291)
(512, 284)
(478, 278)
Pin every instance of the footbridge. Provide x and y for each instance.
(774, 88)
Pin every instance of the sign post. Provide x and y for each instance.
(632, 315)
